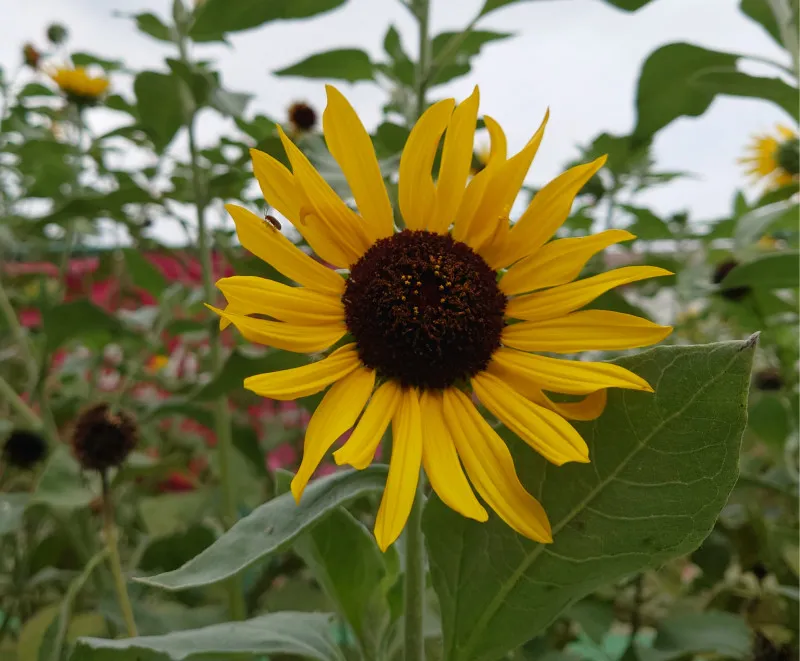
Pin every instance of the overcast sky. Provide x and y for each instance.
(579, 57)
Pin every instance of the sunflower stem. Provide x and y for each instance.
(422, 12)
(415, 582)
(17, 403)
(222, 418)
(112, 544)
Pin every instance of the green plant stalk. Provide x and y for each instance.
(789, 38)
(222, 418)
(18, 332)
(112, 545)
(413, 633)
(16, 402)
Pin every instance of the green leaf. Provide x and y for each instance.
(12, 508)
(159, 106)
(647, 225)
(87, 59)
(662, 467)
(214, 18)
(348, 64)
(769, 419)
(458, 62)
(774, 271)
(664, 92)
(737, 83)
(61, 485)
(761, 13)
(270, 528)
(346, 561)
(710, 633)
(142, 273)
(304, 635)
(77, 319)
(594, 616)
(35, 89)
(151, 24)
(231, 104)
(752, 225)
(628, 5)
(492, 5)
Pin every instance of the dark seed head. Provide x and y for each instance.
(424, 309)
(57, 33)
(102, 438)
(302, 116)
(768, 379)
(731, 293)
(24, 449)
(765, 650)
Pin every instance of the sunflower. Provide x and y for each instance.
(78, 86)
(428, 319)
(773, 158)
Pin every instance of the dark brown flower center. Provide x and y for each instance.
(424, 309)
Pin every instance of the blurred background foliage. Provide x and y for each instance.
(121, 320)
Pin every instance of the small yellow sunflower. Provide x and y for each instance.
(78, 86)
(453, 307)
(773, 158)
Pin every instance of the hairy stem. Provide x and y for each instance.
(413, 634)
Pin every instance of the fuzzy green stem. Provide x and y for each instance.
(413, 634)
(25, 412)
(422, 12)
(112, 544)
(782, 12)
(222, 418)
(18, 332)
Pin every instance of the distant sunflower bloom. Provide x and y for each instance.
(774, 159)
(452, 306)
(302, 117)
(78, 86)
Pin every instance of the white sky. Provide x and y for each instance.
(579, 57)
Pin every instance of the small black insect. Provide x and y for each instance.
(272, 221)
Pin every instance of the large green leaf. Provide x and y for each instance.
(12, 508)
(213, 18)
(142, 272)
(647, 225)
(682, 636)
(301, 635)
(77, 319)
(457, 62)
(61, 485)
(774, 271)
(662, 467)
(761, 13)
(151, 24)
(665, 91)
(348, 64)
(752, 225)
(738, 83)
(159, 106)
(269, 528)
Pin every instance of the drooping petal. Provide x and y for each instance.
(573, 377)
(282, 191)
(499, 146)
(308, 379)
(268, 244)
(545, 431)
(590, 407)
(441, 463)
(351, 146)
(336, 413)
(401, 484)
(296, 305)
(279, 334)
(417, 194)
(456, 162)
(359, 450)
(557, 262)
(491, 468)
(546, 212)
(328, 207)
(587, 330)
(504, 183)
(563, 299)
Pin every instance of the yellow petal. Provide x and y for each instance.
(268, 244)
(456, 162)
(289, 337)
(281, 191)
(441, 462)
(590, 407)
(351, 146)
(557, 262)
(308, 379)
(574, 377)
(327, 205)
(359, 450)
(472, 198)
(588, 330)
(401, 484)
(498, 143)
(295, 305)
(336, 413)
(491, 468)
(503, 186)
(545, 431)
(547, 211)
(417, 193)
(560, 300)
